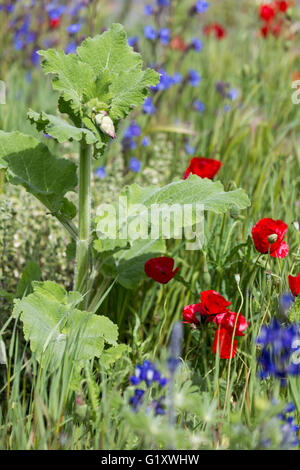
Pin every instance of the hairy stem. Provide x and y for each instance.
(83, 241)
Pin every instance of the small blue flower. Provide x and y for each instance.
(280, 350)
(148, 10)
(18, 44)
(74, 28)
(165, 81)
(163, 3)
(149, 107)
(233, 94)
(135, 164)
(188, 148)
(164, 36)
(176, 78)
(194, 78)
(148, 373)
(28, 76)
(199, 106)
(285, 302)
(55, 13)
(197, 44)
(150, 33)
(133, 130)
(201, 6)
(145, 141)
(35, 58)
(132, 41)
(227, 108)
(100, 172)
(30, 37)
(71, 48)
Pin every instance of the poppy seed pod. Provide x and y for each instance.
(105, 123)
(272, 238)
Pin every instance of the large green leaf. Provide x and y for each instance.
(111, 54)
(30, 164)
(71, 75)
(59, 128)
(54, 325)
(136, 203)
(105, 70)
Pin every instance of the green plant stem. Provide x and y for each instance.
(83, 241)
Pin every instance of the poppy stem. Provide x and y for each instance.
(83, 240)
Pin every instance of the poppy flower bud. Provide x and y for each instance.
(296, 225)
(272, 238)
(105, 123)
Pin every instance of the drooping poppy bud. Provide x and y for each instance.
(105, 123)
(160, 269)
(294, 283)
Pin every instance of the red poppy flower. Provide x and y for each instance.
(203, 167)
(54, 23)
(178, 44)
(267, 11)
(216, 29)
(213, 303)
(294, 283)
(160, 269)
(268, 235)
(232, 322)
(282, 6)
(227, 346)
(190, 314)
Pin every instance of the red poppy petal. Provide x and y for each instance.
(223, 341)
(282, 251)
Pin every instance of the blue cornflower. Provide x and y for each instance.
(55, 13)
(133, 130)
(132, 41)
(135, 164)
(165, 81)
(164, 36)
(10, 8)
(35, 58)
(194, 78)
(176, 78)
(233, 94)
(71, 48)
(74, 28)
(197, 44)
(137, 399)
(149, 107)
(188, 148)
(148, 373)
(163, 3)
(148, 10)
(100, 172)
(18, 44)
(280, 354)
(199, 106)
(145, 141)
(227, 108)
(150, 33)
(201, 6)
(285, 302)
(30, 37)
